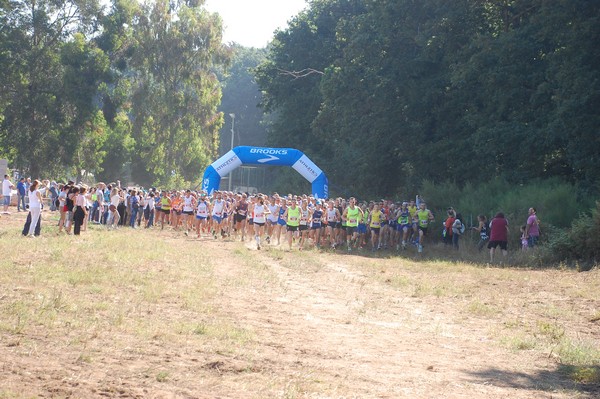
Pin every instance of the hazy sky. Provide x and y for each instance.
(251, 23)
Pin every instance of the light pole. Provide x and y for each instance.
(232, 133)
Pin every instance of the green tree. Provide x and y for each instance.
(386, 104)
(291, 80)
(84, 128)
(33, 93)
(175, 92)
(241, 97)
(118, 146)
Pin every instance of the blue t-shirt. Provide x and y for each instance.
(21, 188)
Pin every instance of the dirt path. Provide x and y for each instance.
(299, 325)
(328, 328)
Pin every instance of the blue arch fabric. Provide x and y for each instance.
(246, 155)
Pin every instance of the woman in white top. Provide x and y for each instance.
(113, 214)
(259, 218)
(202, 212)
(272, 218)
(79, 209)
(35, 206)
(149, 210)
(189, 203)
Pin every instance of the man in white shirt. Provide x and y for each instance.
(99, 205)
(7, 187)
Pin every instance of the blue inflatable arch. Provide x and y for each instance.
(245, 155)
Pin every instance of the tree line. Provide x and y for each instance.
(386, 94)
(126, 89)
(382, 95)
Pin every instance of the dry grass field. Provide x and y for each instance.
(156, 314)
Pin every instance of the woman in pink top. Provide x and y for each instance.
(532, 228)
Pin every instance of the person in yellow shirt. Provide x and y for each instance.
(352, 215)
(165, 202)
(375, 219)
(292, 217)
(424, 218)
(412, 210)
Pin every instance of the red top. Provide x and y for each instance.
(448, 224)
(499, 231)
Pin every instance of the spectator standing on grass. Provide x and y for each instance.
(150, 208)
(483, 230)
(498, 235)
(458, 228)
(113, 213)
(79, 209)
(70, 198)
(532, 228)
(62, 206)
(134, 202)
(107, 197)
(524, 240)
(35, 207)
(7, 187)
(448, 226)
(99, 204)
(122, 208)
(141, 206)
(53, 196)
(21, 195)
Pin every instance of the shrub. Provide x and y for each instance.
(580, 243)
(550, 197)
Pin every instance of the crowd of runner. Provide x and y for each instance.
(271, 219)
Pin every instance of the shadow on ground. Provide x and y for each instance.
(560, 379)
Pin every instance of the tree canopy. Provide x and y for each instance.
(382, 95)
(464, 91)
(89, 90)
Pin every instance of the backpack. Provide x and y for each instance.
(458, 227)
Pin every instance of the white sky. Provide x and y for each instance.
(251, 23)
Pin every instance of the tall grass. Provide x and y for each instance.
(111, 281)
(568, 231)
(554, 200)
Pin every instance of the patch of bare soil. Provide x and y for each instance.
(321, 327)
